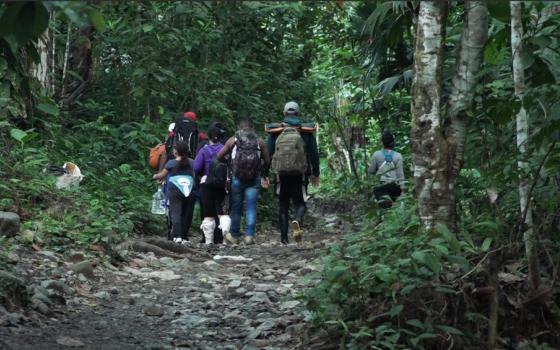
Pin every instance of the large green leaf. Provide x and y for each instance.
(96, 19)
(48, 108)
(18, 135)
(25, 20)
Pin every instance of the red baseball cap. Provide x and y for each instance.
(190, 115)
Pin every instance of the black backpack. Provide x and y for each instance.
(217, 175)
(185, 130)
(246, 156)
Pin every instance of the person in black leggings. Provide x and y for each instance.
(179, 175)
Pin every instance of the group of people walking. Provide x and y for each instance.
(227, 175)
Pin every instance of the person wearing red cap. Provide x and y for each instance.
(190, 115)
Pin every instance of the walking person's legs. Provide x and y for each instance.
(176, 213)
(187, 214)
(251, 197)
(236, 206)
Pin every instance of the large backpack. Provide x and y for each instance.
(185, 130)
(246, 156)
(218, 173)
(387, 172)
(289, 155)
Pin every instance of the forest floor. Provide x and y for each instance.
(196, 300)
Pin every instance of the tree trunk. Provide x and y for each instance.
(41, 69)
(522, 137)
(437, 149)
(65, 63)
(435, 198)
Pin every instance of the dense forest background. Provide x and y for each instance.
(470, 89)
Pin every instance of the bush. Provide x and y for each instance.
(372, 284)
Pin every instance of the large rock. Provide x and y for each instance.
(9, 223)
(84, 267)
(13, 292)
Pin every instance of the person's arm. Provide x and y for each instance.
(400, 173)
(373, 166)
(265, 156)
(271, 143)
(161, 175)
(198, 165)
(228, 146)
(313, 153)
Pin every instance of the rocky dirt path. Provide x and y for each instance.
(229, 297)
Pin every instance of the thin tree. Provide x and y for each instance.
(522, 136)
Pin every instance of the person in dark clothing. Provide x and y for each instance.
(212, 198)
(294, 187)
(179, 176)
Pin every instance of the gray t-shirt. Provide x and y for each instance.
(378, 159)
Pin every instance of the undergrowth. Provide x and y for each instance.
(111, 203)
(395, 285)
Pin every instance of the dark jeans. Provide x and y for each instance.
(212, 205)
(181, 212)
(392, 190)
(291, 189)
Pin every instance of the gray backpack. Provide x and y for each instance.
(387, 172)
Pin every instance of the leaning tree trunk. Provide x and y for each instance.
(522, 138)
(435, 201)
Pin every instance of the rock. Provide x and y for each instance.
(102, 295)
(70, 342)
(190, 320)
(58, 286)
(9, 223)
(259, 297)
(154, 310)
(166, 275)
(13, 292)
(262, 328)
(77, 257)
(114, 291)
(264, 287)
(84, 267)
(12, 258)
(257, 343)
(40, 306)
(289, 304)
(234, 284)
(295, 328)
(241, 291)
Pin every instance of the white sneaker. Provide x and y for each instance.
(249, 240)
(178, 240)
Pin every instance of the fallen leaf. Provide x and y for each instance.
(35, 247)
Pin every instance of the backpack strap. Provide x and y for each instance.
(388, 155)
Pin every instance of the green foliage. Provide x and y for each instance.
(371, 284)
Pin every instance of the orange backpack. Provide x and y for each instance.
(155, 154)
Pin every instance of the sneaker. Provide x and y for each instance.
(296, 231)
(249, 240)
(178, 240)
(385, 202)
(230, 239)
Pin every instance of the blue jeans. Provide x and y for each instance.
(248, 191)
